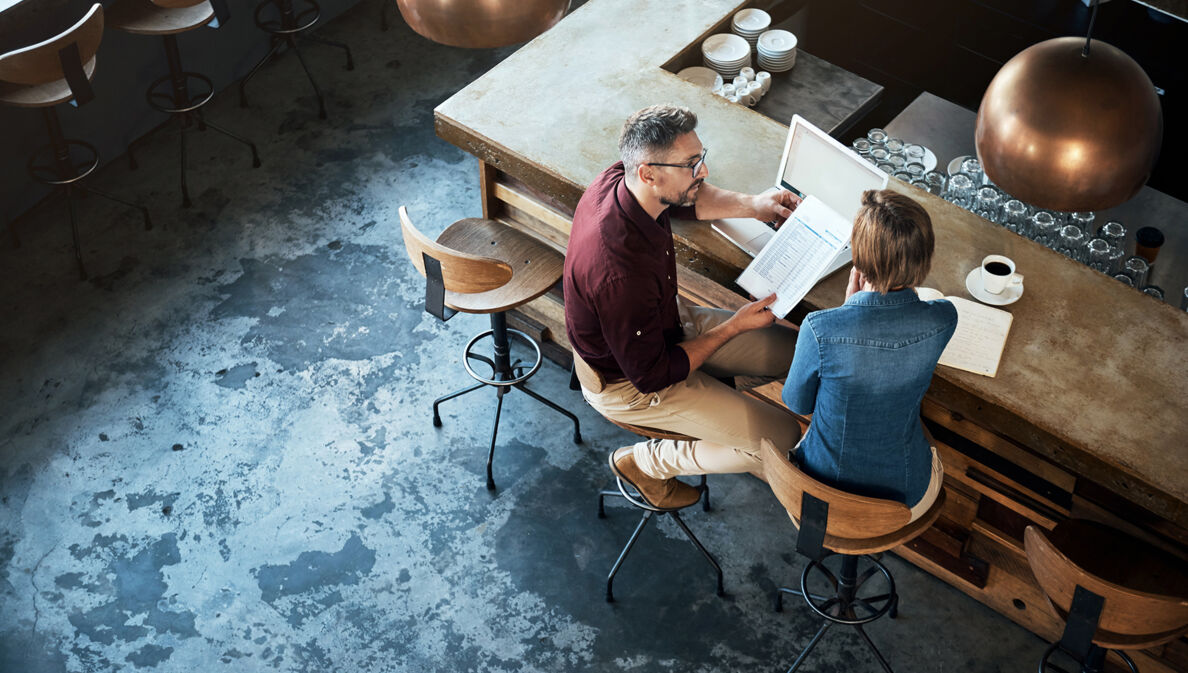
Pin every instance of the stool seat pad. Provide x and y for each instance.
(142, 17)
(875, 545)
(41, 95)
(535, 266)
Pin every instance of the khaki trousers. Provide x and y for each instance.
(727, 423)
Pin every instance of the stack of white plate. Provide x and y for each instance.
(749, 24)
(702, 77)
(726, 54)
(777, 50)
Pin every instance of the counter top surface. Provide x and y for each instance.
(1085, 362)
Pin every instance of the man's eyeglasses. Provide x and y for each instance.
(695, 166)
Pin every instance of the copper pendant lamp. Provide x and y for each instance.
(1071, 125)
(481, 23)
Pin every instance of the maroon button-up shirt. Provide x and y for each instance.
(621, 286)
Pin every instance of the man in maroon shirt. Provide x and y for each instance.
(642, 357)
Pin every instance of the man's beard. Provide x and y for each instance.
(685, 198)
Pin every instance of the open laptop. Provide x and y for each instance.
(816, 164)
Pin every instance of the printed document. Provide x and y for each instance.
(796, 257)
(981, 335)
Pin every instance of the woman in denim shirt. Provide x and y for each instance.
(862, 369)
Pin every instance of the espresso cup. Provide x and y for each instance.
(998, 273)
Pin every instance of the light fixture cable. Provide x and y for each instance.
(1089, 32)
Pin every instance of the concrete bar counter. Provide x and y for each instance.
(1086, 416)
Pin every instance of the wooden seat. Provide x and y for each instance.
(1143, 590)
(32, 76)
(853, 527)
(483, 266)
(160, 17)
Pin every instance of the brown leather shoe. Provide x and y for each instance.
(661, 493)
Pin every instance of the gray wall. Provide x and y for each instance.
(125, 66)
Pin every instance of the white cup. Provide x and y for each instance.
(728, 90)
(740, 82)
(747, 73)
(756, 89)
(732, 98)
(998, 273)
(764, 79)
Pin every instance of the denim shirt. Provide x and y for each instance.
(862, 369)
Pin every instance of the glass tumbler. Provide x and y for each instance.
(1097, 255)
(861, 146)
(1044, 228)
(973, 168)
(1083, 220)
(1136, 267)
(960, 191)
(896, 160)
(879, 154)
(1014, 216)
(1071, 242)
(935, 182)
(1184, 300)
(1124, 279)
(915, 168)
(913, 152)
(876, 137)
(1154, 291)
(1116, 255)
(1113, 231)
(903, 176)
(988, 203)
(894, 145)
(886, 167)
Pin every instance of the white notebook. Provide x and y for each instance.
(981, 334)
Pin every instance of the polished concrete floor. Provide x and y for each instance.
(217, 453)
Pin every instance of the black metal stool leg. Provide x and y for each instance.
(330, 43)
(602, 496)
(245, 141)
(186, 202)
(494, 434)
(577, 428)
(610, 579)
(148, 222)
(444, 398)
(812, 643)
(82, 271)
(704, 552)
(310, 77)
(276, 46)
(871, 645)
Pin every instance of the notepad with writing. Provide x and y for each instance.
(980, 336)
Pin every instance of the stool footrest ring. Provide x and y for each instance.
(194, 102)
(514, 378)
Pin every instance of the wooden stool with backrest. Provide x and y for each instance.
(594, 381)
(171, 93)
(43, 75)
(286, 27)
(853, 529)
(1113, 591)
(483, 266)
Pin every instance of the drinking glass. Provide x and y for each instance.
(1112, 231)
(861, 146)
(1184, 300)
(935, 182)
(878, 153)
(1154, 291)
(1014, 216)
(1136, 267)
(1116, 255)
(876, 137)
(1097, 254)
(894, 145)
(973, 168)
(915, 168)
(903, 176)
(988, 203)
(1044, 228)
(1071, 242)
(1083, 220)
(913, 152)
(961, 190)
(896, 160)
(1124, 279)
(886, 167)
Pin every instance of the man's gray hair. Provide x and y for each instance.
(650, 131)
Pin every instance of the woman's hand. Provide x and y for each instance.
(856, 282)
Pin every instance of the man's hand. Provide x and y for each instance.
(775, 205)
(754, 315)
(856, 282)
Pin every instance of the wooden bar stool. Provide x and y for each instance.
(1113, 591)
(854, 529)
(595, 382)
(483, 266)
(171, 93)
(285, 29)
(43, 75)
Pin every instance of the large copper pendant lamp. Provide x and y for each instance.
(481, 23)
(1070, 124)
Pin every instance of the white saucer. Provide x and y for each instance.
(973, 284)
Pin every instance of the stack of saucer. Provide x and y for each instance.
(726, 54)
(749, 24)
(777, 50)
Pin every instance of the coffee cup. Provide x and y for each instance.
(998, 273)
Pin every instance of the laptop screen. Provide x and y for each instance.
(816, 164)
